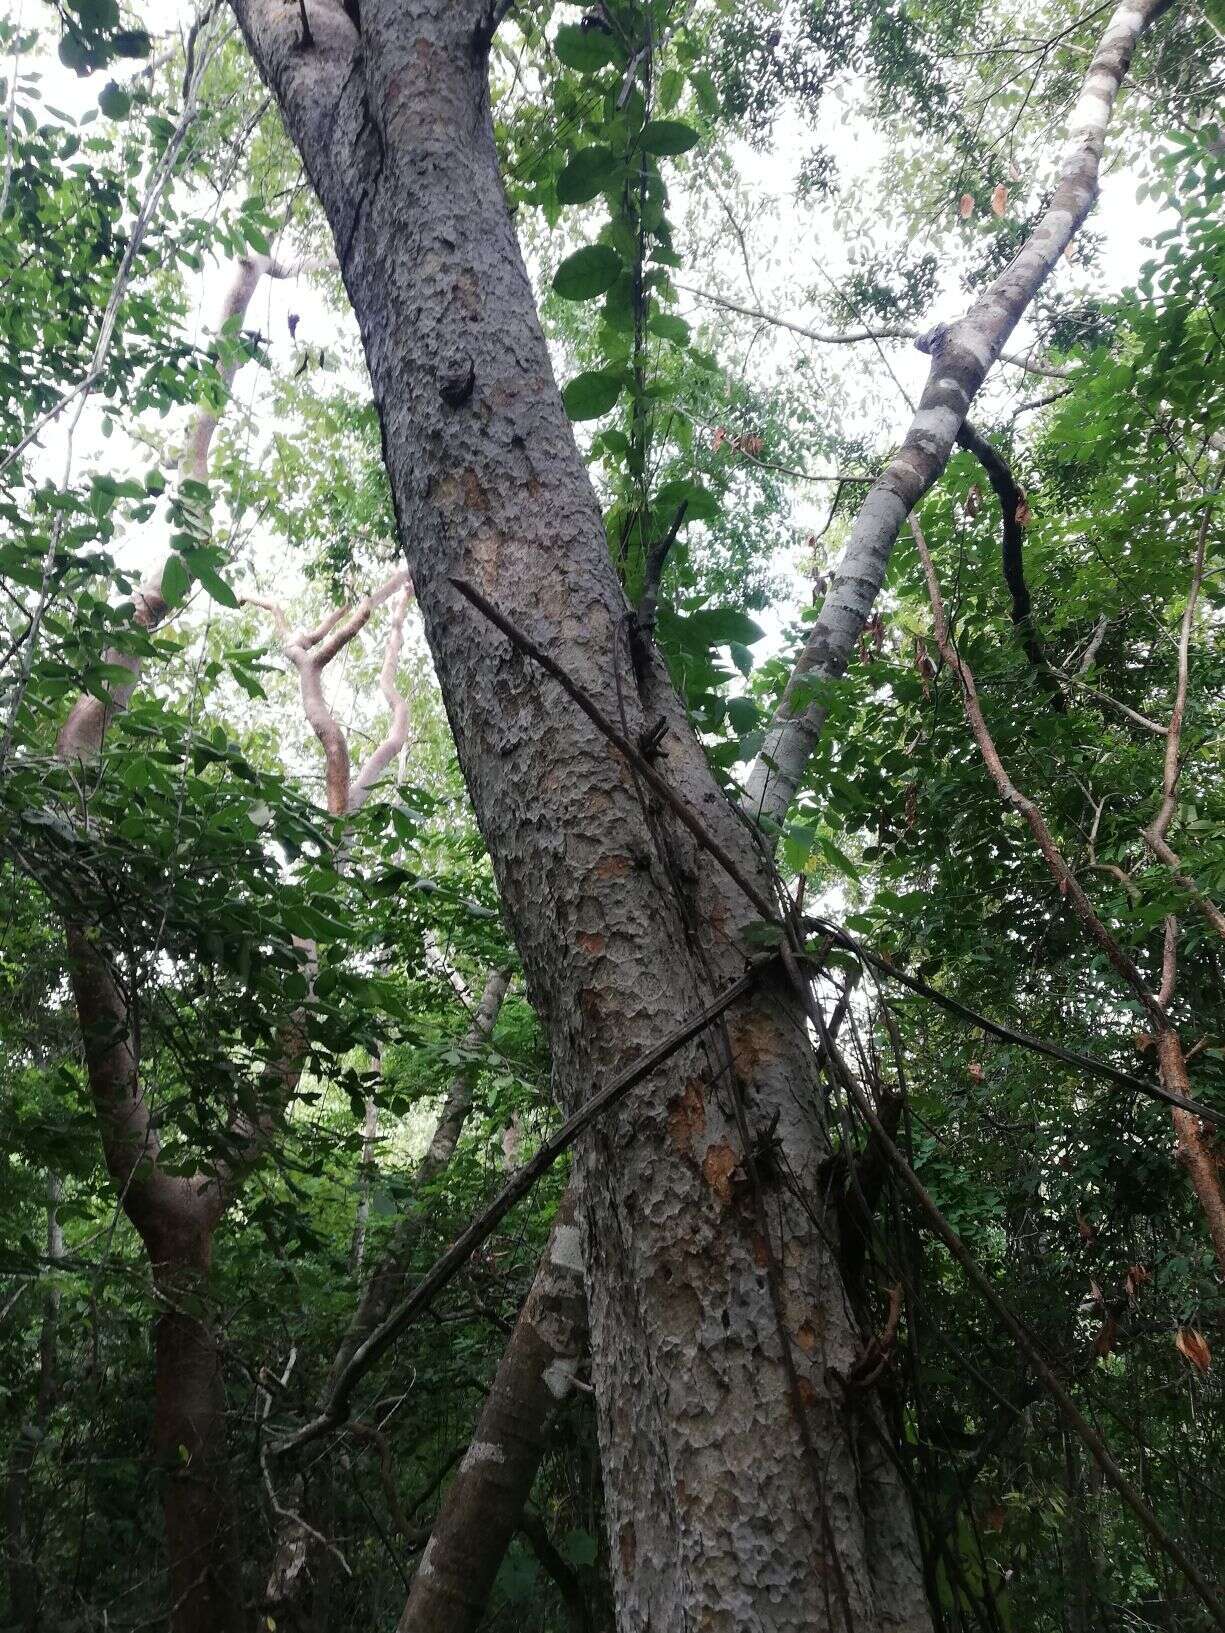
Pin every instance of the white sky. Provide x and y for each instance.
(789, 244)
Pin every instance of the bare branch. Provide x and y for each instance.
(854, 337)
(1157, 830)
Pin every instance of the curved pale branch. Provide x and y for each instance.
(961, 357)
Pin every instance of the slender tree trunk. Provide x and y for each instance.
(370, 1134)
(293, 1582)
(387, 1279)
(22, 1573)
(485, 1502)
(732, 1467)
(174, 1216)
(961, 355)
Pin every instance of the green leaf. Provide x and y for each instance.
(584, 49)
(215, 584)
(579, 1547)
(97, 14)
(669, 327)
(114, 101)
(708, 96)
(590, 395)
(742, 712)
(132, 42)
(671, 84)
(667, 137)
(176, 580)
(588, 173)
(718, 626)
(587, 273)
(700, 504)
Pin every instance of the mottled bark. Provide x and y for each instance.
(961, 356)
(485, 1502)
(189, 1435)
(1202, 1166)
(19, 1557)
(732, 1468)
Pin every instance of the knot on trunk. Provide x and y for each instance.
(456, 378)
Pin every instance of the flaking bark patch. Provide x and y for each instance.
(688, 1116)
(717, 1168)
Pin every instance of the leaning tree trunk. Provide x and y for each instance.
(485, 1502)
(732, 1466)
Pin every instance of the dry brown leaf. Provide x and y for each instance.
(1104, 1343)
(966, 208)
(1193, 1345)
(999, 200)
(1137, 1275)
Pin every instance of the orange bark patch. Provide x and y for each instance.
(752, 1042)
(806, 1337)
(717, 1169)
(613, 867)
(688, 1116)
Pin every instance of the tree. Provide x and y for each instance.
(808, 1205)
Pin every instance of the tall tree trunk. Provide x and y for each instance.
(189, 1439)
(732, 1466)
(175, 1217)
(485, 1502)
(22, 1574)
